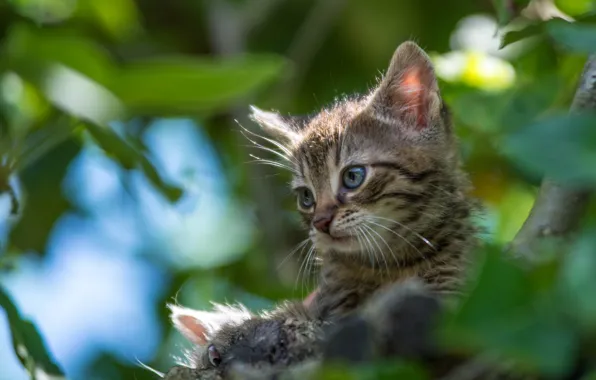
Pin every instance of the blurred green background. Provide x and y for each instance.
(134, 186)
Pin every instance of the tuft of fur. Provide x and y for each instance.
(412, 216)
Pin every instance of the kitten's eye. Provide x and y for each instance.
(305, 197)
(353, 176)
(214, 356)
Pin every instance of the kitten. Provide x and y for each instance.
(379, 186)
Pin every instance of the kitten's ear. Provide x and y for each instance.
(198, 326)
(409, 92)
(275, 125)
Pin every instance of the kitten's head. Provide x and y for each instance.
(372, 173)
(231, 343)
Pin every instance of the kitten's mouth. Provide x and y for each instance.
(342, 242)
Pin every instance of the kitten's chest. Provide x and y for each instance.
(341, 293)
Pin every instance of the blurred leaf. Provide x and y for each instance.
(511, 311)
(518, 35)
(45, 11)
(528, 102)
(27, 342)
(183, 85)
(573, 36)
(560, 146)
(508, 9)
(375, 371)
(119, 18)
(30, 51)
(45, 202)
(131, 158)
(39, 142)
(577, 276)
(575, 7)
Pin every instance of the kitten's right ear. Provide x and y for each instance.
(275, 125)
(409, 91)
(198, 326)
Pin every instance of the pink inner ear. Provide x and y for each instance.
(413, 95)
(193, 329)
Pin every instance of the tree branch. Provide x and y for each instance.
(559, 208)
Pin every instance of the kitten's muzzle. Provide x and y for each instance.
(323, 223)
(323, 220)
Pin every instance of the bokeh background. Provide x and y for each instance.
(135, 187)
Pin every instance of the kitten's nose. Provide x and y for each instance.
(323, 222)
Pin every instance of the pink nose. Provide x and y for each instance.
(322, 223)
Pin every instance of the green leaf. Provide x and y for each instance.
(561, 146)
(186, 85)
(577, 276)
(512, 311)
(386, 370)
(30, 51)
(45, 203)
(27, 342)
(576, 37)
(119, 18)
(513, 36)
(131, 158)
(71, 71)
(526, 103)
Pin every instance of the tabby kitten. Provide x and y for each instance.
(379, 185)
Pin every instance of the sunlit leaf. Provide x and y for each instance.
(131, 158)
(30, 51)
(575, 7)
(119, 18)
(27, 342)
(561, 147)
(192, 85)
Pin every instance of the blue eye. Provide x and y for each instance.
(305, 197)
(353, 177)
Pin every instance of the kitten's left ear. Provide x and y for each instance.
(283, 129)
(198, 326)
(409, 92)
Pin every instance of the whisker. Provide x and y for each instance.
(400, 236)
(145, 366)
(284, 149)
(425, 240)
(272, 163)
(260, 146)
(302, 264)
(369, 229)
(366, 241)
(309, 261)
(300, 245)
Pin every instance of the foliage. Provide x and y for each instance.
(70, 69)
